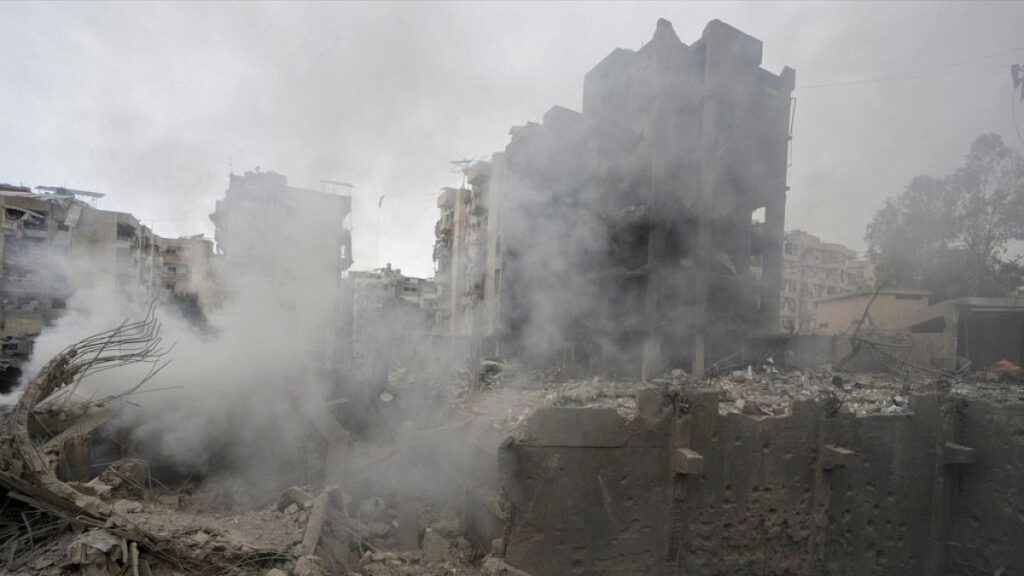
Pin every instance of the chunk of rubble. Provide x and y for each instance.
(435, 547)
(310, 566)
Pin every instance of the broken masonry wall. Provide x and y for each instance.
(880, 507)
(752, 509)
(585, 493)
(989, 515)
(588, 490)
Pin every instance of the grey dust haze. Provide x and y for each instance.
(496, 289)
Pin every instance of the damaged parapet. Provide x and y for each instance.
(621, 239)
(676, 487)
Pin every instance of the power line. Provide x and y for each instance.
(936, 70)
(1013, 108)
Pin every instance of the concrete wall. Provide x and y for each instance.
(586, 494)
(989, 515)
(680, 489)
(814, 350)
(842, 314)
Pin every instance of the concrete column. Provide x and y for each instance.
(703, 205)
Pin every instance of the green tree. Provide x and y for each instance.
(950, 235)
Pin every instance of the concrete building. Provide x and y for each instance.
(284, 250)
(53, 245)
(460, 252)
(842, 314)
(813, 269)
(371, 292)
(620, 238)
(967, 332)
(186, 267)
(287, 233)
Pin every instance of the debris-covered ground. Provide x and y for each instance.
(762, 390)
(56, 517)
(60, 516)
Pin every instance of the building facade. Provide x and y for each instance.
(53, 245)
(842, 314)
(812, 270)
(620, 238)
(283, 250)
(186, 267)
(460, 251)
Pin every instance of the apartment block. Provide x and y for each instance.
(186, 267)
(620, 238)
(815, 270)
(55, 244)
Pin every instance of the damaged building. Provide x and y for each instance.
(258, 202)
(620, 239)
(186, 267)
(54, 244)
(604, 269)
(285, 248)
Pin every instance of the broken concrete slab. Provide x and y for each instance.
(687, 462)
(435, 547)
(573, 426)
(833, 457)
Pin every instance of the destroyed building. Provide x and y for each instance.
(55, 244)
(286, 248)
(620, 238)
(604, 259)
(260, 223)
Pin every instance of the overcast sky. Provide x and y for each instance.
(151, 103)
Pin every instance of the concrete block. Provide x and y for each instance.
(956, 455)
(435, 547)
(688, 462)
(649, 404)
(578, 427)
(833, 457)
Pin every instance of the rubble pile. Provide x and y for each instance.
(759, 391)
(58, 517)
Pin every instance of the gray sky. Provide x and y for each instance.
(147, 102)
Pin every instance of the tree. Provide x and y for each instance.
(950, 235)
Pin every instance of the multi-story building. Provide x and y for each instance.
(53, 245)
(186, 267)
(266, 227)
(620, 238)
(373, 291)
(814, 270)
(460, 251)
(284, 249)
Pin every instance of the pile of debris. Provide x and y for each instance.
(762, 390)
(57, 517)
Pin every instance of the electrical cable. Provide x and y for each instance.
(1013, 109)
(943, 69)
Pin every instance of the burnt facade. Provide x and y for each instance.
(620, 239)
